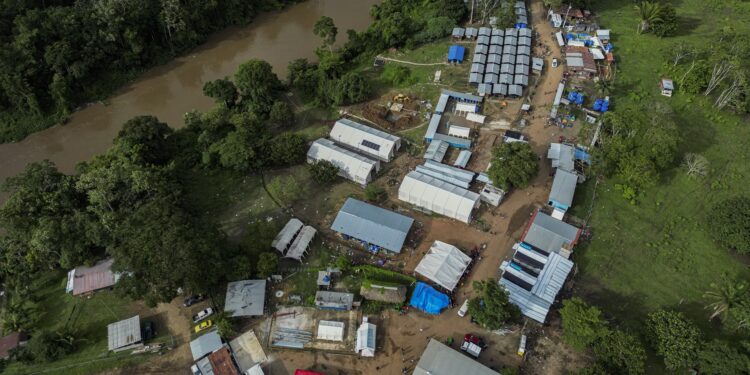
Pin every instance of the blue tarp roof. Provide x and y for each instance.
(372, 224)
(456, 53)
(427, 299)
(582, 155)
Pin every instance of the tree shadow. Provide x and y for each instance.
(685, 25)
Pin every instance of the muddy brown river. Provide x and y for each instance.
(170, 90)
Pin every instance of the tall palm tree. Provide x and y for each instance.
(649, 12)
(725, 295)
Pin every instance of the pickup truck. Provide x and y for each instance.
(203, 314)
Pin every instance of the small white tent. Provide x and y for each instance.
(352, 166)
(444, 264)
(366, 339)
(330, 330)
(438, 196)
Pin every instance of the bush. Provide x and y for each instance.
(582, 324)
(397, 74)
(323, 171)
(674, 338)
(281, 114)
(375, 193)
(621, 353)
(267, 265)
(287, 149)
(46, 346)
(729, 224)
(492, 309)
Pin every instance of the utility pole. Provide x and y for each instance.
(471, 17)
(566, 17)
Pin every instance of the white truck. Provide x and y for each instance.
(471, 348)
(203, 314)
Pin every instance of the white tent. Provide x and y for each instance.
(475, 117)
(366, 339)
(459, 131)
(444, 264)
(365, 139)
(352, 166)
(438, 196)
(299, 247)
(285, 237)
(330, 330)
(466, 107)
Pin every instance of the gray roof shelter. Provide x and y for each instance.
(524, 32)
(511, 31)
(490, 78)
(549, 234)
(483, 39)
(562, 156)
(496, 31)
(523, 50)
(522, 59)
(496, 40)
(245, 298)
(485, 88)
(507, 69)
(471, 32)
(475, 78)
(524, 41)
(500, 89)
(522, 68)
(492, 68)
(521, 79)
(509, 49)
(479, 58)
(458, 32)
(206, 344)
(436, 150)
(515, 90)
(477, 67)
(510, 40)
(481, 48)
(124, 335)
(455, 141)
(509, 58)
(485, 31)
(439, 359)
(495, 49)
(494, 58)
(334, 300)
(563, 188)
(372, 224)
(506, 79)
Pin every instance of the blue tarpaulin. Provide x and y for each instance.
(427, 299)
(456, 53)
(582, 155)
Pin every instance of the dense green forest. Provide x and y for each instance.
(56, 55)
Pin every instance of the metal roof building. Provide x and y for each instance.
(507, 69)
(551, 235)
(458, 32)
(479, 58)
(521, 79)
(522, 60)
(524, 32)
(366, 334)
(563, 190)
(286, 235)
(248, 350)
(481, 48)
(433, 126)
(438, 196)
(374, 225)
(436, 150)
(439, 359)
(486, 87)
(537, 64)
(483, 39)
(533, 281)
(124, 335)
(444, 264)
(500, 88)
(524, 41)
(505, 79)
(82, 280)
(245, 298)
(496, 31)
(515, 90)
(471, 32)
(509, 49)
(523, 50)
(475, 68)
(352, 166)
(334, 300)
(496, 49)
(463, 97)
(205, 344)
(442, 103)
(365, 139)
(562, 156)
(463, 159)
(453, 141)
(485, 31)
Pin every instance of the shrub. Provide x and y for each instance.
(323, 171)
(729, 224)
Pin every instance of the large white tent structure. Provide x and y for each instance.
(352, 165)
(365, 139)
(301, 243)
(444, 264)
(365, 345)
(438, 196)
(330, 330)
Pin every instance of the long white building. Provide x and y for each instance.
(352, 165)
(364, 139)
(438, 196)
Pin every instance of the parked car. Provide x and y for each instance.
(473, 345)
(555, 63)
(464, 308)
(148, 331)
(192, 300)
(203, 326)
(203, 314)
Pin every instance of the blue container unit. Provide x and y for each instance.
(456, 54)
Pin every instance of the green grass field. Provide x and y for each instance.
(658, 253)
(89, 317)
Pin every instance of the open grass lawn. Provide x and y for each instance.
(657, 253)
(89, 317)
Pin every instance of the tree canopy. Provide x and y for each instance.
(674, 337)
(323, 171)
(513, 165)
(582, 324)
(492, 309)
(729, 223)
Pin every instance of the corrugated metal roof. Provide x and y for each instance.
(334, 299)
(453, 141)
(509, 49)
(433, 127)
(537, 63)
(221, 362)
(523, 50)
(496, 31)
(300, 245)
(475, 68)
(500, 88)
(481, 48)
(522, 59)
(496, 49)
(521, 79)
(436, 150)
(463, 96)
(562, 156)
(563, 188)
(89, 279)
(479, 58)
(372, 224)
(245, 298)
(285, 237)
(439, 359)
(458, 32)
(505, 79)
(483, 39)
(524, 32)
(550, 234)
(441, 176)
(515, 90)
(463, 158)
(205, 344)
(485, 31)
(124, 333)
(442, 103)
(444, 264)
